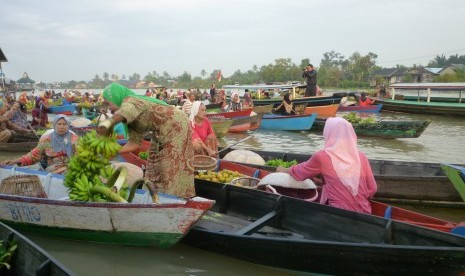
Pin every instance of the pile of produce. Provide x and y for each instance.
(143, 155)
(223, 176)
(6, 252)
(41, 131)
(353, 118)
(90, 176)
(280, 162)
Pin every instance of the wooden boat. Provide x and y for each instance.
(378, 208)
(456, 175)
(232, 114)
(433, 99)
(252, 225)
(310, 101)
(139, 223)
(245, 123)
(62, 109)
(437, 108)
(419, 183)
(324, 111)
(292, 122)
(29, 258)
(375, 108)
(385, 129)
(17, 147)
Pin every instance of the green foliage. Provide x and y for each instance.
(6, 252)
(280, 162)
(353, 118)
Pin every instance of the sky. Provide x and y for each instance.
(56, 40)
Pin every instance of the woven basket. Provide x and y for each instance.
(23, 185)
(220, 125)
(204, 163)
(248, 182)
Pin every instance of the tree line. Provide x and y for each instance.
(334, 70)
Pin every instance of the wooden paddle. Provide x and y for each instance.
(238, 142)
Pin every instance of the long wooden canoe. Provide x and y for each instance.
(323, 111)
(437, 108)
(139, 223)
(398, 181)
(232, 114)
(263, 109)
(253, 225)
(378, 208)
(385, 129)
(292, 122)
(375, 108)
(310, 101)
(62, 109)
(29, 258)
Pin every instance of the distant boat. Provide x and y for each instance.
(62, 109)
(375, 108)
(291, 122)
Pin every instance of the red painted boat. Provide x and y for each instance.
(232, 114)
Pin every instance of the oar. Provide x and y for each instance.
(238, 142)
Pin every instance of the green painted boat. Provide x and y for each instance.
(385, 129)
(28, 258)
(437, 108)
(456, 175)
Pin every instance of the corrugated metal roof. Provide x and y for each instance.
(2, 56)
(433, 70)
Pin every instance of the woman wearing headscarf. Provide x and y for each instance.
(203, 136)
(235, 104)
(187, 106)
(348, 180)
(170, 161)
(286, 107)
(248, 103)
(39, 114)
(56, 147)
(8, 128)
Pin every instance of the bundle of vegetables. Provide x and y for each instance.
(41, 131)
(280, 162)
(143, 155)
(353, 118)
(90, 176)
(6, 252)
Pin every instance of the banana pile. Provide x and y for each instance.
(90, 176)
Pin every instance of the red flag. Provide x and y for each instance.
(218, 76)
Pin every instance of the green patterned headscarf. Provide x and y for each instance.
(116, 93)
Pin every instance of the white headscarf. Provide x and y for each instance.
(341, 146)
(232, 97)
(194, 111)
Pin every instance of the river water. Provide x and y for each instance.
(443, 141)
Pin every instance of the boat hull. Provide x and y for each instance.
(296, 122)
(324, 111)
(376, 108)
(437, 108)
(141, 224)
(62, 109)
(310, 101)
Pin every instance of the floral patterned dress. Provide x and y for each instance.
(55, 160)
(170, 162)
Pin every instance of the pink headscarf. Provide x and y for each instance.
(341, 146)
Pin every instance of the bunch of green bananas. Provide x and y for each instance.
(90, 177)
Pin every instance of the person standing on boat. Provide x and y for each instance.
(170, 162)
(203, 136)
(286, 107)
(213, 93)
(186, 107)
(310, 74)
(56, 147)
(348, 180)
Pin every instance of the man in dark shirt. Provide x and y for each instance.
(310, 74)
(213, 93)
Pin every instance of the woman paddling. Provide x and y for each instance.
(170, 161)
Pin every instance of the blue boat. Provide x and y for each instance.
(62, 109)
(292, 122)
